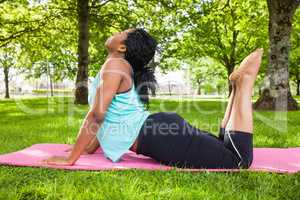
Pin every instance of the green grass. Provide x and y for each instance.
(57, 120)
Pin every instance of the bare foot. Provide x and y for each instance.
(249, 66)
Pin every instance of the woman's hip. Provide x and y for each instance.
(171, 140)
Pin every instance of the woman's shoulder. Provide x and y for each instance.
(115, 65)
(116, 62)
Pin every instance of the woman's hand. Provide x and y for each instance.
(57, 160)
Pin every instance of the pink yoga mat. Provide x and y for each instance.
(279, 160)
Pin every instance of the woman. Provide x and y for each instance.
(119, 121)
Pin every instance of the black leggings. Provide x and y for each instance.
(169, 139)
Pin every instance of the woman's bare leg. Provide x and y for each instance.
(241, 117)
(228, 109)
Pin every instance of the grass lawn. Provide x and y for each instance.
(57, 120)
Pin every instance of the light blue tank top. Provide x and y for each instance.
(122, 121)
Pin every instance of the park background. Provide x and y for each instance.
(50, 50)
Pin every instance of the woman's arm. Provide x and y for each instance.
(92, 146)
(111, 79)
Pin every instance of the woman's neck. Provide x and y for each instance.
(115, 55)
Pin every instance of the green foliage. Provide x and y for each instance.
(47, 33)
(7, 57)
(41, 32)
(294, 67)
(207, 74)
(226, 31)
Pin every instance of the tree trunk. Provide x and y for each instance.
(229, 68)
(298, 81)
(81, 92)
(6, 80)
(199, 90)
(199, 82)
(51, 86)
(276, 94)
(169, 86)
(298, 87)
(50, 79)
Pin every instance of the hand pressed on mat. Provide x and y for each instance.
(57, 160)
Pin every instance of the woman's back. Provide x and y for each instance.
(122, 122)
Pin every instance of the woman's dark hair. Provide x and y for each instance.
(140, 50)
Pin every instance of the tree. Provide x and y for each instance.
(23, 19)
(49, 53)
(103, 20)
(39, 30)
(81, 90)
(295, 74)
(206, 71)
(7, 61)
(294, 67)
(47, 29)
(276, 93)
(226, 31)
